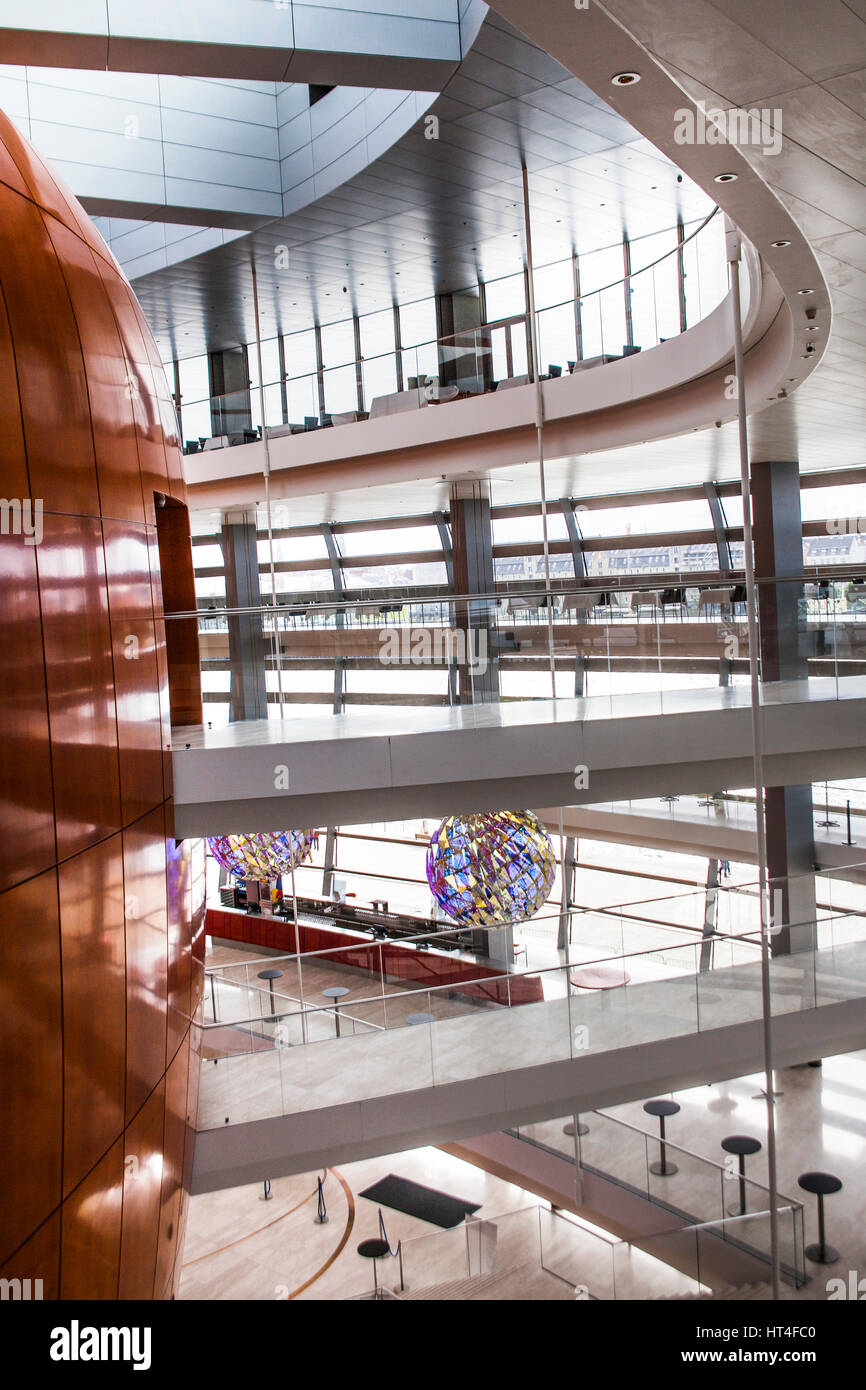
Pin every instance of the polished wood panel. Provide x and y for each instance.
(142, 1188)
(146, 956)
(114, 435)
(178, 596)
(26, 797)
(136, 671)
(91, 1231)
(53, 391)
(173, 1147)
(180, 963)
(93, 954)
(80, 681)
(38, 1259)
(31, 1061)
(91, 1166)
(161, 658)
(148, 421)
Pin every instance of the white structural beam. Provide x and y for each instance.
(364, 768)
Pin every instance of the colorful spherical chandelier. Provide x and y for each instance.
(264, 856)
(491, 870)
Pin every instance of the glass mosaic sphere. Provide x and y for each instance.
(264, 856)
(491, 870)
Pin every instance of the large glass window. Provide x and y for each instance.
(377, 349)
(393, 541)
(602, 309)
(515, 530)
(655, 292)
(417, 323)
(418, 338)
(195, 410)
(301, 385)
(340, 380)
(272, 388)
(505, 297)
(341, 391)
(705, 269)
(338, 343)
(692, 514)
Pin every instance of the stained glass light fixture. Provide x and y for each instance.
(491, 870)
(264, 856)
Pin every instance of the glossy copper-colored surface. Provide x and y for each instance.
(93, 961)
(101, 947)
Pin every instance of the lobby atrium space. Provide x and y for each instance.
(434, 773)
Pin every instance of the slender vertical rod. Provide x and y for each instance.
(562, 937)
(278, 655)
(734, 248)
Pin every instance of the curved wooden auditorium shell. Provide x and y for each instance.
(101, 913)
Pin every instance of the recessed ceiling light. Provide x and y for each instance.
(813, 328)
(625, 79)
(779, 244)
(805, 291)
(725, 178)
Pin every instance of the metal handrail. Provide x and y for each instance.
(599, 584)
(511, 976)
(278, 994)
(690, 1153)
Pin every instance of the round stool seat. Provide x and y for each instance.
(822, 1184)
(335, 992)
(270, 974)
(741, 1144)
(599, 977)
(415, 1020)
(661, 1108)
(568, 1130)
(374, 1248)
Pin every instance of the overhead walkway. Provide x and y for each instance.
(714, 829)
(413, 45)
(363, 768)
(293, 1108)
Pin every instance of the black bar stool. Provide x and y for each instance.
(270, 976)
(374, 1249)
(568, 1130)
(741, 1144)
(822, 1185)
(662, 1109)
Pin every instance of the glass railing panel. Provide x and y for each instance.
(530, 1032)
(683, 1181)
(609, 1147)
(442, 1257)
(666, 1267)
(577, 1256)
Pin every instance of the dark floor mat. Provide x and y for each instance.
(424, 1202)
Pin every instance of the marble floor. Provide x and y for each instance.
(288, 1079)
(820, 1124)
(239, 1246)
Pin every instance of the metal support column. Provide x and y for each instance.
(472, 565)
(246, 635)
(778, 530)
